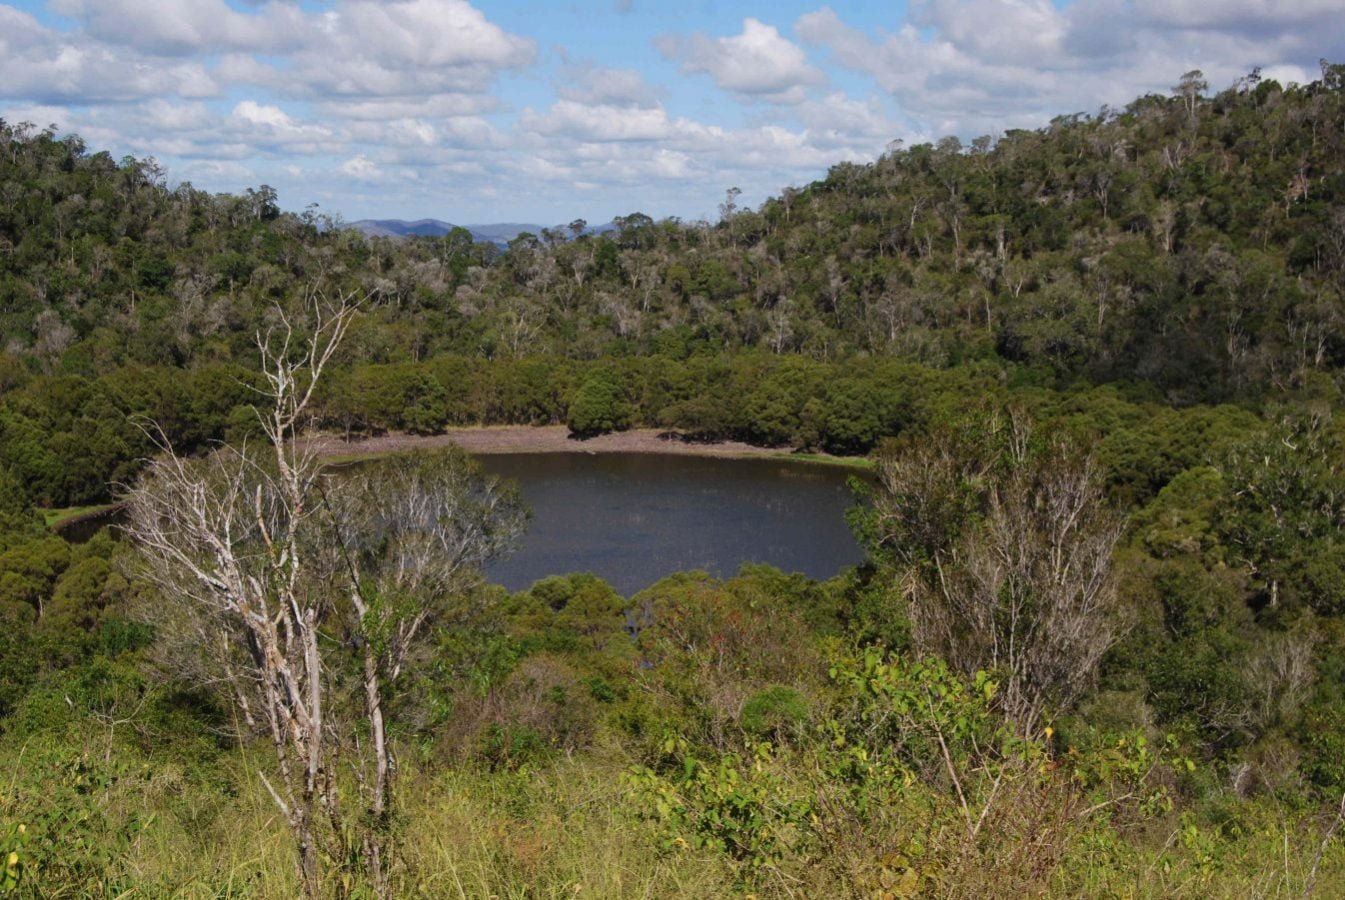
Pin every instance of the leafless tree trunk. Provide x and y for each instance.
(264, 560)
(227, 536)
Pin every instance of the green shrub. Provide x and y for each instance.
(597, 408)
(778, 711)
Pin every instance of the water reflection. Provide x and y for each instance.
(635, 518)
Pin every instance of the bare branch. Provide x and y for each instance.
(1006, 561)
(276, 578)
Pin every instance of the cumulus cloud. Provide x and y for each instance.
(998, 31)
(19, 30)
(462, 133)
(272, 116)
(354, 48)
(936, 81)
(986, 65)
(838, 121)
(585, 82)
(216, 171)
(37, 63)
(423, 33)
(1288, 74)
(652, 149)
(372, 35)
(419, 103)
(181, 27)
(169, 116)
(585, 122)
(271, 128)
(362, 168)
(1100, 31)
(361, 49)
(760, 62)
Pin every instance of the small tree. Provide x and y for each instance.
(283, 583)
(1190, 88)
(597, 408)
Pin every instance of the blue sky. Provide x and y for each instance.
(548, 111)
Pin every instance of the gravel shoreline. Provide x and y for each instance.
(546, 439)
(524, 439)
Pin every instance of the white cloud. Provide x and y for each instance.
(935, 80)
(360, 167)
(1288, 74)
(353, 48)
(587, 83)
(838, 116)
(464, 133)
(686, 156)
(598, 123)
(257, 114)
(986, 65)
(168, 116)
(671, 164)
(180, 27)
(41, 115)
(1022, 32)
(271, 124)
(441, 106)
(760, 62)
(37, 63)
(216, 172)
(423, 33)
(19, 30)
(397, 49)
(403, 102)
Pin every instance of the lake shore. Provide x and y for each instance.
(557, 439)
(498, 439)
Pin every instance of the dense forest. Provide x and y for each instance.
(1097, 648)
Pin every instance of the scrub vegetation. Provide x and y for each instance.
(1097, 647)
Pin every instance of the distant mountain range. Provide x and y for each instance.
(498, 233)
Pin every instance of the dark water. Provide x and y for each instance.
(635, 518)
(85, 527)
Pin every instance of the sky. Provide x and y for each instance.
(544, 111)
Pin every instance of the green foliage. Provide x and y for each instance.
(12, 851)
(19, 522)
(80, 818)
(1189, 273)
(1285, 513)
(734, 805)
(1174, 309)
(898, 718)
(777, 712)
(597, 408)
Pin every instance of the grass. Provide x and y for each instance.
(569, 828)
(55, 518)
(862, 463)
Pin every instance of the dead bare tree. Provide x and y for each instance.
(1003, 551)
(283, 576)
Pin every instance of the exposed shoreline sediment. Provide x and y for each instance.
(556, 439)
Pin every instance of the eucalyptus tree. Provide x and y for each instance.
(302, 594)
(1002, 547)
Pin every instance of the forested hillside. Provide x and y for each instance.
(1189, 249)
(1098, 647)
